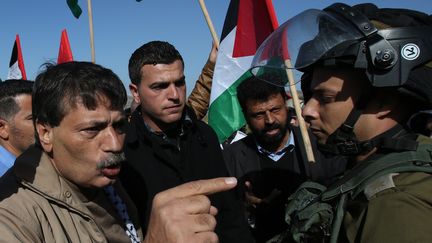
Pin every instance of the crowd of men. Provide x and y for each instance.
(75, 167)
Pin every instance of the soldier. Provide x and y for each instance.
(368, 70)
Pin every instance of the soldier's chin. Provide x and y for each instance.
(321, 138)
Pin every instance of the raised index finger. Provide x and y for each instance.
(200, 187)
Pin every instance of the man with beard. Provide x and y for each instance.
(271, 162)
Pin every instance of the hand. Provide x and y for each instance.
(184, 213)
(213, 54)
(252, 200)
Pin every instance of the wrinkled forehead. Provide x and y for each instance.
(89, 102)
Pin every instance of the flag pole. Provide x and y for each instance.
(89, 7)
(209, 23)
(296, 102)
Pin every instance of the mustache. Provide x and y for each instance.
(271, 127)
(112, 160)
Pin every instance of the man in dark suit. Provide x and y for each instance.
(271, 162)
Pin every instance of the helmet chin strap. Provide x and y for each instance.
(344, 142)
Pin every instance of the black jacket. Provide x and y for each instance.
(242, 157)
(153, 166)
(244, 161)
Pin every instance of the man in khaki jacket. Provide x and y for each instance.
(64, 188)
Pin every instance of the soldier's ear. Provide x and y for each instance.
(4, 129)
(45, 135)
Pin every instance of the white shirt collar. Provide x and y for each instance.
(275, 156)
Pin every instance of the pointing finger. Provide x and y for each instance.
(200, 187)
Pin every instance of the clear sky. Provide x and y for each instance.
(121, 26)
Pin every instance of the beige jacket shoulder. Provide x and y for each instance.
(199, 98)
(38, 205)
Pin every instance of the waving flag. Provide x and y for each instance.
(65, 52)
(75, 8)
(247, 24)
(16, 64)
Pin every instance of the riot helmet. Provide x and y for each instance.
(392, 46)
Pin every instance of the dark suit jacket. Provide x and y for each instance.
(242, 157)
(245, 162)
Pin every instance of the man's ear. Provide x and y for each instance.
(134, 91)
(45, 135)
(4, 129)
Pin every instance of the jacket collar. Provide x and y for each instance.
(35, 171)
(137, 126)
(276, 155)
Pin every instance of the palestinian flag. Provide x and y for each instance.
(65, 52)
(247, 25)
(16, 64)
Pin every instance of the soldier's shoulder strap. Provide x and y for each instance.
(354, 182)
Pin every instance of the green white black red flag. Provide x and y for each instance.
(247, 24)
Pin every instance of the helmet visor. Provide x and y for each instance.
(300, 42)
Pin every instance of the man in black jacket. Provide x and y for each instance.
(166, 145)
(271, 162)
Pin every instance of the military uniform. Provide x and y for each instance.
(400, 213)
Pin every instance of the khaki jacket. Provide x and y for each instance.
(199, 98)
(38, 205)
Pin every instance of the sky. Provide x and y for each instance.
(121, 26)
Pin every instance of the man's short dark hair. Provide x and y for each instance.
(9, 89)
(61, 86)
(154, 52)
(254, 88)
